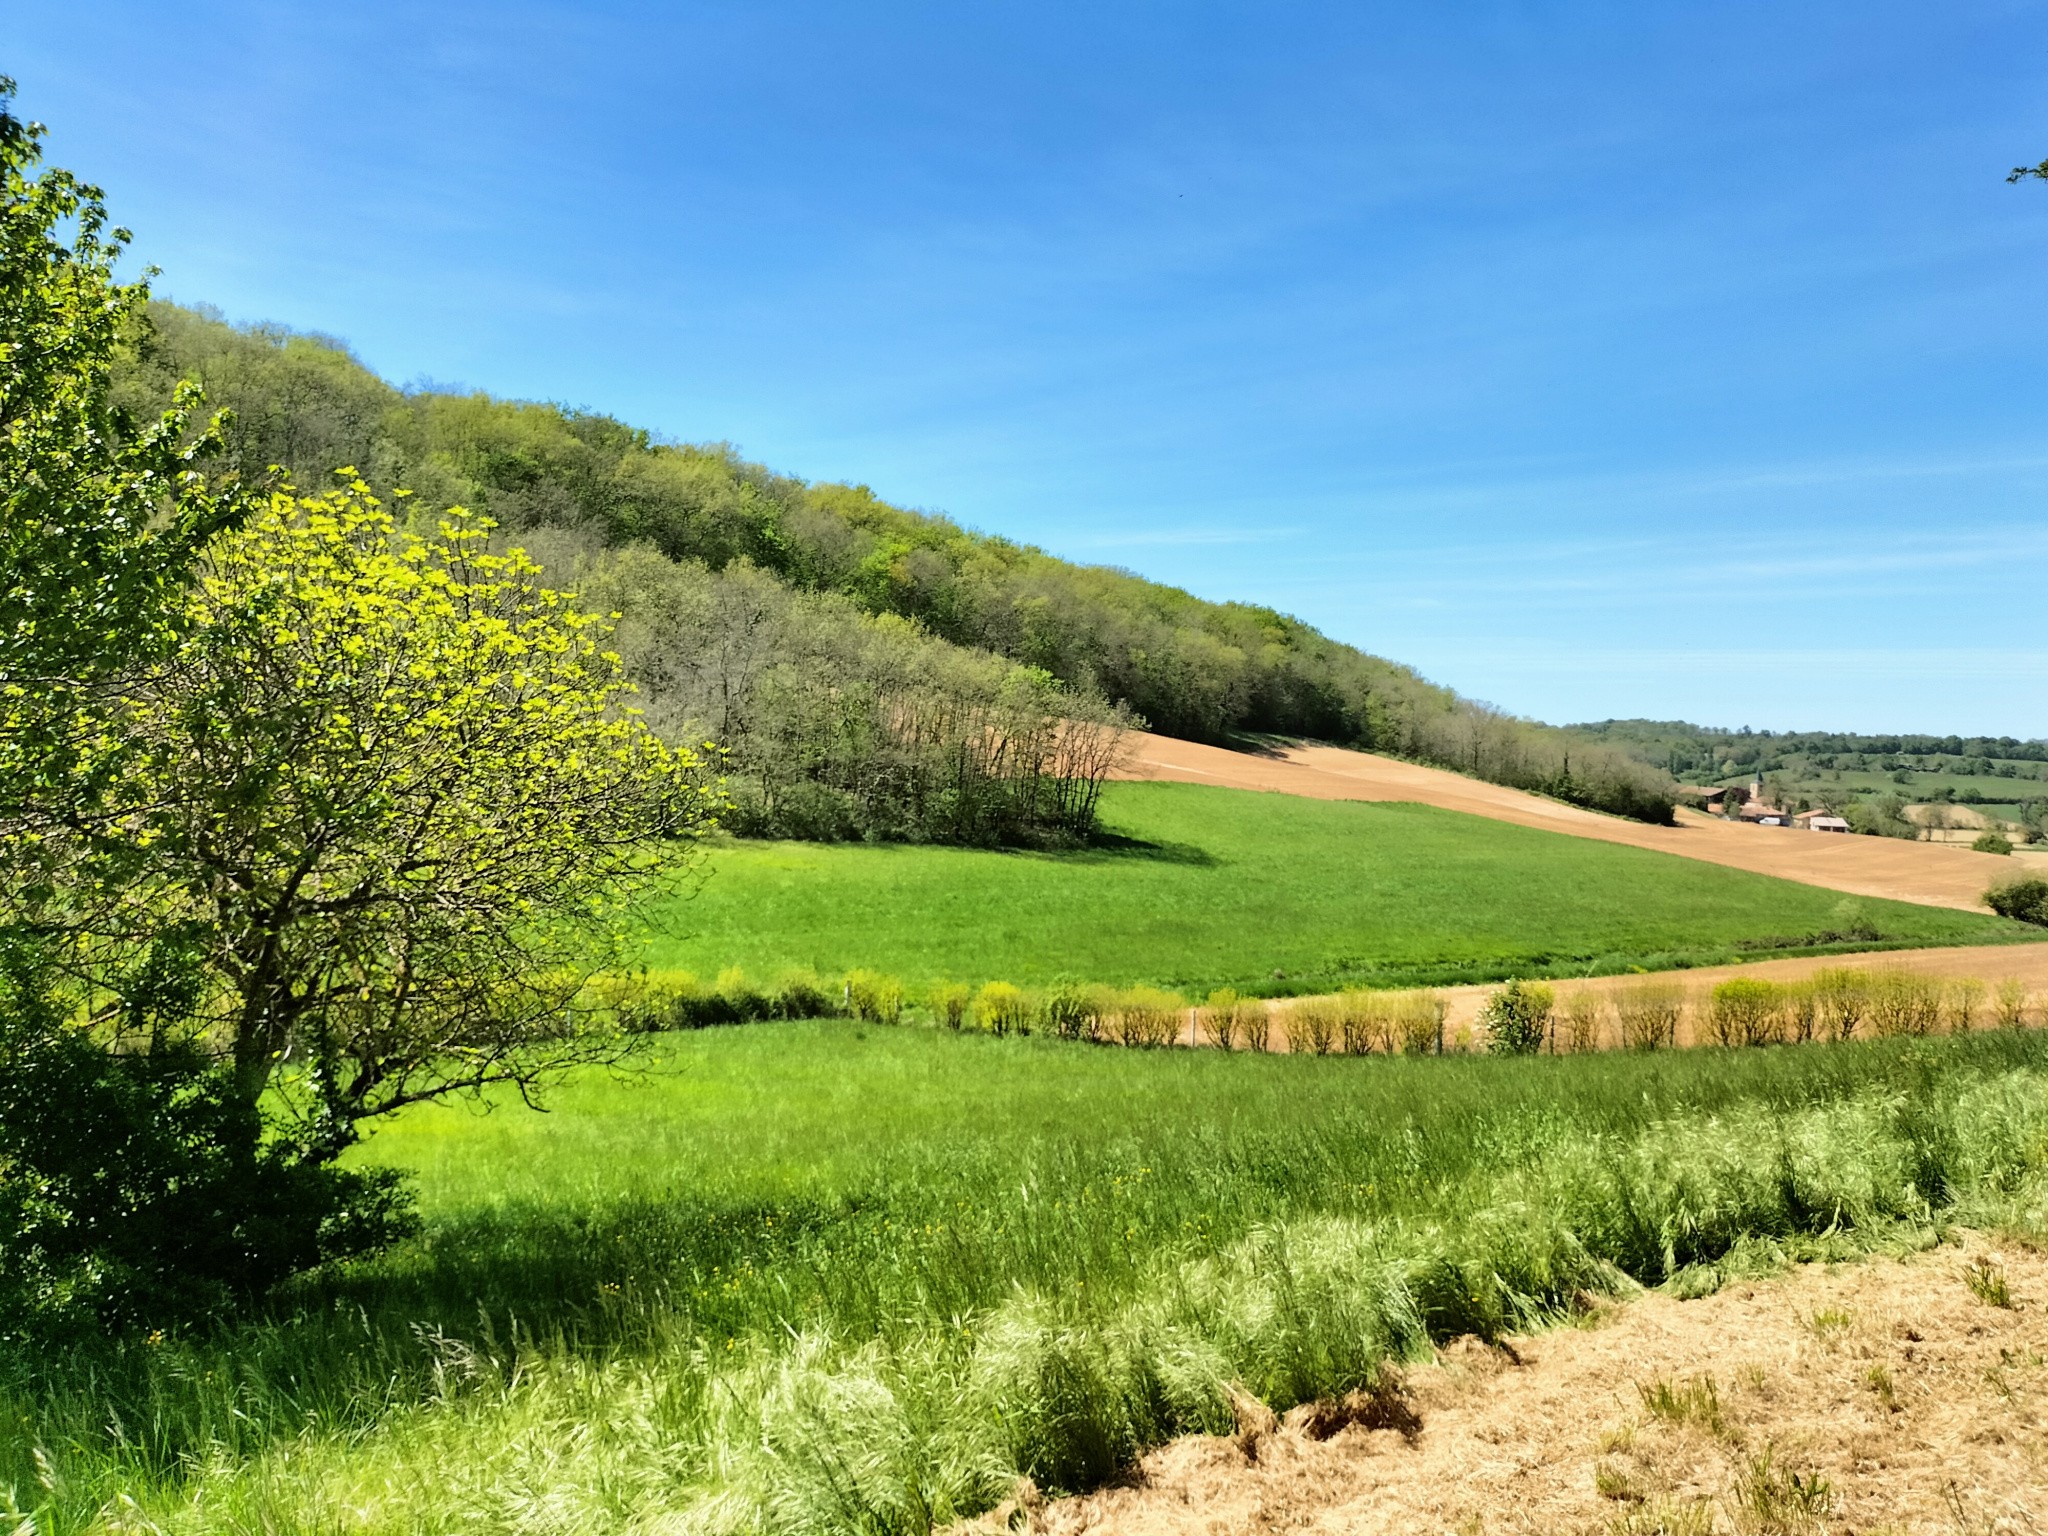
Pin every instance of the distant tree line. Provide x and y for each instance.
(1683, 749)
(1185, 667)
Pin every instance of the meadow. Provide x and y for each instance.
(1198, 888)
(820, 1276)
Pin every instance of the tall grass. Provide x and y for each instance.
(810, 1279)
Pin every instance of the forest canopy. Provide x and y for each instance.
(825, 565)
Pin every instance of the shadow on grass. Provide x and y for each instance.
(1105, 847)
(588, 1278)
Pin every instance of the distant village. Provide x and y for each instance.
(1754, 808)
(1937, 822)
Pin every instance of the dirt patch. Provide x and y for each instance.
(1890, 868)
(1889, 1396)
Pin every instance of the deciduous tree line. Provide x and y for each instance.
(836, 723)
(1186, 667)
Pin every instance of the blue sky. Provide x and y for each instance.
(1630, 359)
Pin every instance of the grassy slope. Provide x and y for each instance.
(1236, 886)
(905, 1187)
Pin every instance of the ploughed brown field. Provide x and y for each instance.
(1891, 868)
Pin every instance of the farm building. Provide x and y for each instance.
(1820, 821)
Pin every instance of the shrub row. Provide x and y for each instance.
(1841, 1003)
(649, 1000)
(1520, 1017)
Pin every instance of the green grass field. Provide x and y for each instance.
(820, 1277)
(1220, 887)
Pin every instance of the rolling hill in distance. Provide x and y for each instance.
(663, 530)
(681, 539)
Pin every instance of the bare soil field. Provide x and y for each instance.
(1891, 868)
(1890, 1396)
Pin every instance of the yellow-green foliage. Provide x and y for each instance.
(1218, 1019)
(1650, 1012)
(1743, 1011)
(1841, 1001)
(1361, 1019)
(1583, 1010)
(1252, 1023)
(1902, 1003)
(1361, 1022)
(2009, 1005)
(642, 1001)
(1105, 1008)
(1962, 1004)
(949, 1001)
(874, 998)
(1313, 1025)
(398, 782)
(1146, 1016)
(1798, 1011)
(1419, 1022)
(1002, 1009)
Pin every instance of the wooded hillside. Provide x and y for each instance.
(820, 727)
(1701, 751)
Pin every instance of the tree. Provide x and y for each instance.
(99, 524)
(390, 790)
(2024, 899)
(138, 1186)
(132, 1181)
(1516, 1018)
(277, 788)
